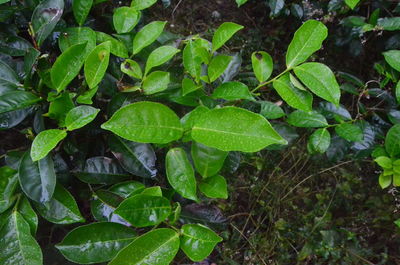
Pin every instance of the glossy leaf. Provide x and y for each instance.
(101, 170)
(384, 162)
(96, 242)
(147, 35)
(180, 173)
(392, 141)
(61, 209)
(232, 91)
(60, 107)
(77, 35)
(157, 247)
(145, 122)
(192, 60)
(125, 19)
(262, 65)
(46, 141)
(67, 66)
(235, 129)
(80, 116)
(30, 216)
(81, 9)
(8, 78)
(198, 241)
(393, 59)
(156, 82)
(214, 187)
(307, 40)
(127, 188)
(385, 180)
(389, 23)
(8, 183)
(224, 33)
(189, 86)
(117, 47)
(142, 4)
(160, 56)
(37, 179)
(320, 79)
(190, 119)
(350, 132)
(17, 244)
(320, 140)
(217, 66)
(132, 68)
(208, 161)
(144, 210)
(96, 64)
(271, 111)
(137, 158)
(352, 3)
(300, 118)
(17, 100)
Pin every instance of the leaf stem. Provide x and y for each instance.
(271, 80)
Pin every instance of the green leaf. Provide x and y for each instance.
(241, 2)
(389, 23)
(80, 116)
(235, 129)
(60, 107)
(214, 187)
(144, 210)
(153, 191)
(67, 66)
(128, 188)
(131, 68)
(293, 96)
(192, 60)
(16, 100)
(45, 17)
(224, 33)
(262, 65)
(393, 59)
(398, 92)
(61, 209)
(145, 122)
(217, 66)
(189, 86)
(392, 141)
(180, 173)
(81, 9)
(320, 79)
(160, 56)
(352, 3)
(8, 183)
(320, 140)
(276, 7)
(208, 161)
(46, 141)
(100, 241)
(117, 47)
(156, 82)
(142, 4)
(385, 180)
(136, 158)
(37, 179)
(125, 19)
(190, 119)
(8, 78)
(147, 35)
(307, 40)
(25, 209)
(232, 91)
(79, 35)
(17, 244)
(86, 97)
(198, 241)
(157, 247)
(101, 170)
(384, 162)
(271, 111)
(96, 64)
(350, 132)
(312, 119)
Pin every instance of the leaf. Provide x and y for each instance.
(103, 205)
(144, 210)
(136, 158)
(224, 33)
(393, 59)
(389, 23)
(385, 180)
(30, 216)
(180, 173)
(46, 141)
(384, 162)
(232, 91)
(276, 6)
(157, 247)
(13, 118)
(125, 19)
(101, 170)
(156, 82)
(320, 140)
(8, 184)
(350, 132)
(147, 35)
(352, 3)
(392, 141)
(145, 122)
(271, 111)
(217, 66)
(208, 161)
(81, 9)
(307, 40)
(160, 56)
(142, 4)
(294, 97)
(132, 68)
(241, 2)
(189, 120)
(214, 187)
(235, 129)
(8, 78)
(331, 111)
(320, 79)
(79, 35)
(198, 241)
(128, 188)
(45, 17)
(153, 191)
(262, 65)
(96, 64)
(17, 244)
(86, 97)
(80, 116)
(37, 179)
(117, 47)
(312, 119)
(60, 107)
(61, 209)
(95, 242)
(17, 100)
(192, 60)
(189, 86)
(67, 66)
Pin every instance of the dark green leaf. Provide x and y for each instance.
(102, 170)
(207, 160)
(350, 132)
(79, 35)
(17, 100)
(8, 183)
(30, 216)
(214, 187)
(320, 140)
(300, 118)
(117, 47)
